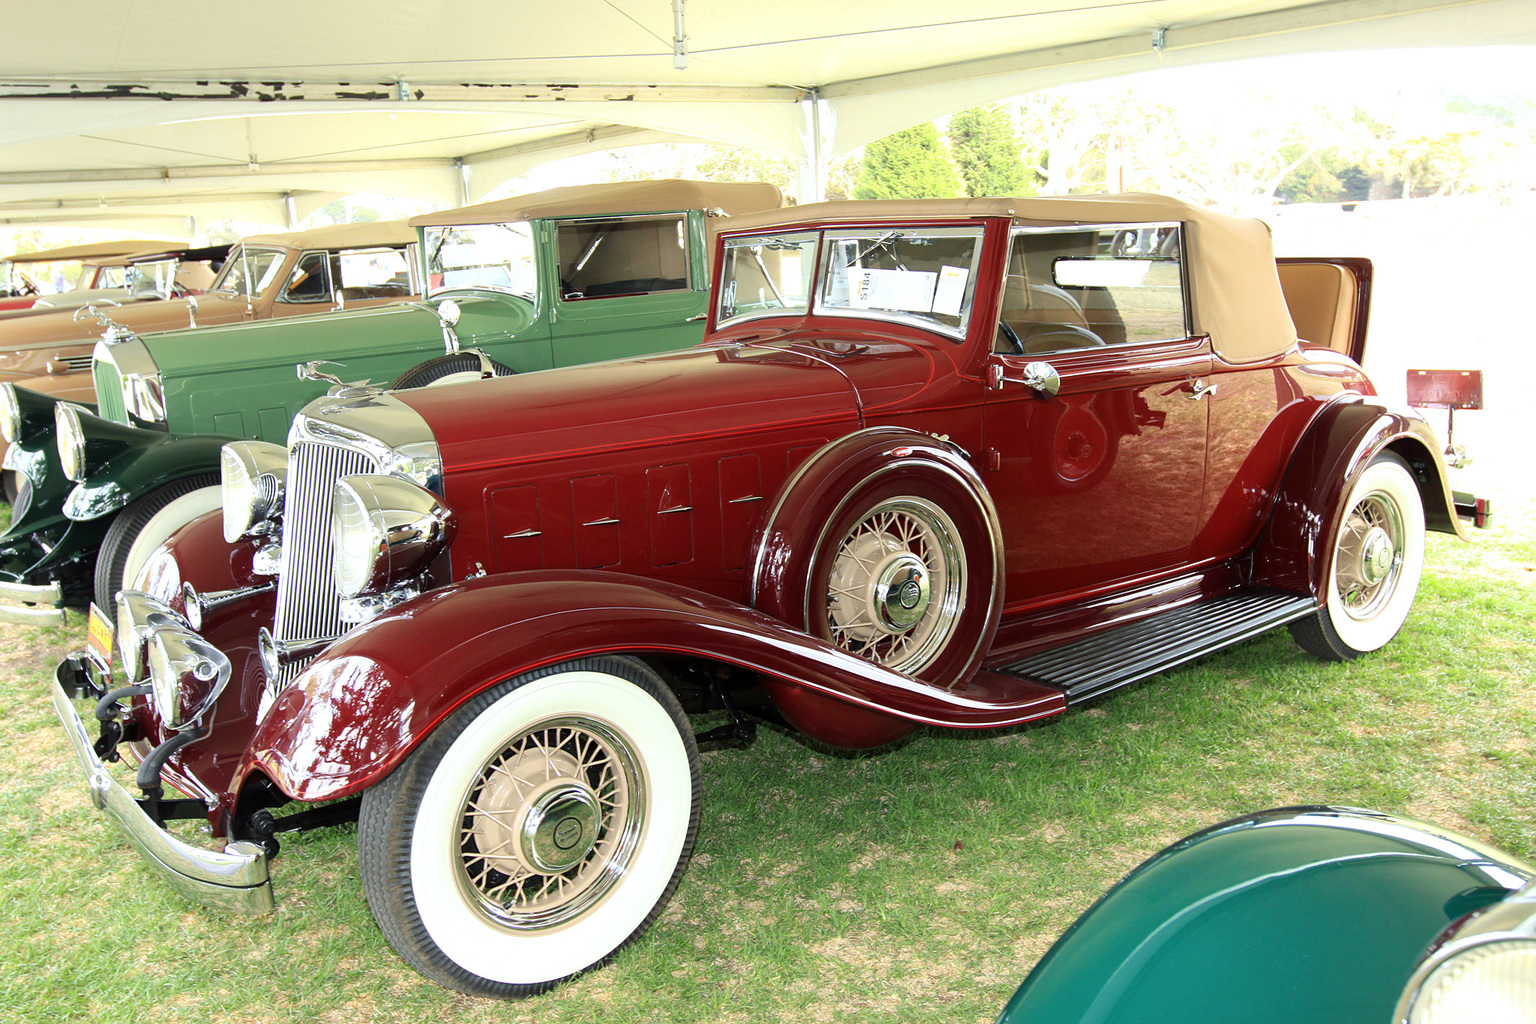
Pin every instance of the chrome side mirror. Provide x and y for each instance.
(1039, 377)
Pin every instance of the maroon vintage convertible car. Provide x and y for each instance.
(953, 463)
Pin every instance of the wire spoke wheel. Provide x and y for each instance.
(550, 824)
(896, 585)
(1378, 556)
(1370, 556)
(537, 831)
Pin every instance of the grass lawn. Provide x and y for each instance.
(917, 883)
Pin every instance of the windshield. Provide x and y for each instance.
(766, 275)
(926, 275)
(248, 271)
(496, 256)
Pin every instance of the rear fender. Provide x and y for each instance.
(1294, 551)
(136, 471)
(369, 699)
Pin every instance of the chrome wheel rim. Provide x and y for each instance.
(550, 824)
(1370, 556)
(896, 584)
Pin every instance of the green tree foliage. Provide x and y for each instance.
(910, 164)
(986, 151)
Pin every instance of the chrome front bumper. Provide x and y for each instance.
(235, 880)
(42, 601)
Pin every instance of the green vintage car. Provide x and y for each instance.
(572, 275)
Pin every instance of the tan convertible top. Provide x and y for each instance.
(362, 235)
(614, 197)
(1231, 261)
(94, 251)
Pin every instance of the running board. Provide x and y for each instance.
(1130, 653)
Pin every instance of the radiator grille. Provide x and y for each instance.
(308, 604)
(109, 391)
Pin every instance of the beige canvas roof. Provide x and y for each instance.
(93, 251)
(614, 197)
(362, 235)
(1231, 261)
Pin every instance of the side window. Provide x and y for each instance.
(373, 274)
(310, 280)
(766, 275)
(600, 258)
(1092, 287)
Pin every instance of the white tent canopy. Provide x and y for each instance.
(139, 114)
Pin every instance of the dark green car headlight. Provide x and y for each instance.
(10, 414)
(386, 530)
(71, 440)
(1482, 970)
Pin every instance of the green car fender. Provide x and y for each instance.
(136, 471)
(1315, 914)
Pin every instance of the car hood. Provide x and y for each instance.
(688, 396)
(329, 335)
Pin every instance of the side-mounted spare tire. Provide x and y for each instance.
(451, 368)
(887, 544)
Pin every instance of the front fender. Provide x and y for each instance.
(158, 459)
(366, 702)
(1315, 914)
(1295, 547)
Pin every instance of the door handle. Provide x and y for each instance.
(1198, 389)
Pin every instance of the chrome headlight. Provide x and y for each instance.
(71, 440)
(385, 530)
(138, 616)
(251, 478)
(186, 675)
(1483, 971)
(10, 414)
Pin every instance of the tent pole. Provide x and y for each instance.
(813, 162)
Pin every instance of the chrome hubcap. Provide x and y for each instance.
(1370, 555)
(560, 827)
(900, 593)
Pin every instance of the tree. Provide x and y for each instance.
(910, 164)
(986, 151)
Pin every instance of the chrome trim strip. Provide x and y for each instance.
(235, 880)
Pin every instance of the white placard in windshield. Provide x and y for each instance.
(950, 294)
(910, 290)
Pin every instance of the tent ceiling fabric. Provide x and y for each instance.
(137, 104)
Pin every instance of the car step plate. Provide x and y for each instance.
(1144, 648)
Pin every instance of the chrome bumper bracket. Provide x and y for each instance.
(234, 880)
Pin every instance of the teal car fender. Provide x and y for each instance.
(137, 470)
(1315, 914)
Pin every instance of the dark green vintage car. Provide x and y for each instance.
(572, 275)
(1321, 915)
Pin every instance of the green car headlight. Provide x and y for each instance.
(10, 414)
(251, 479)
(385, 531)
(71, 440)
(1487, 983)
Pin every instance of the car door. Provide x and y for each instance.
(1100, 482)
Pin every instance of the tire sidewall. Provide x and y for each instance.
(176, 514)
(664, 761)
(1390, 477)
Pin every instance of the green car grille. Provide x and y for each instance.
(109, 391)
